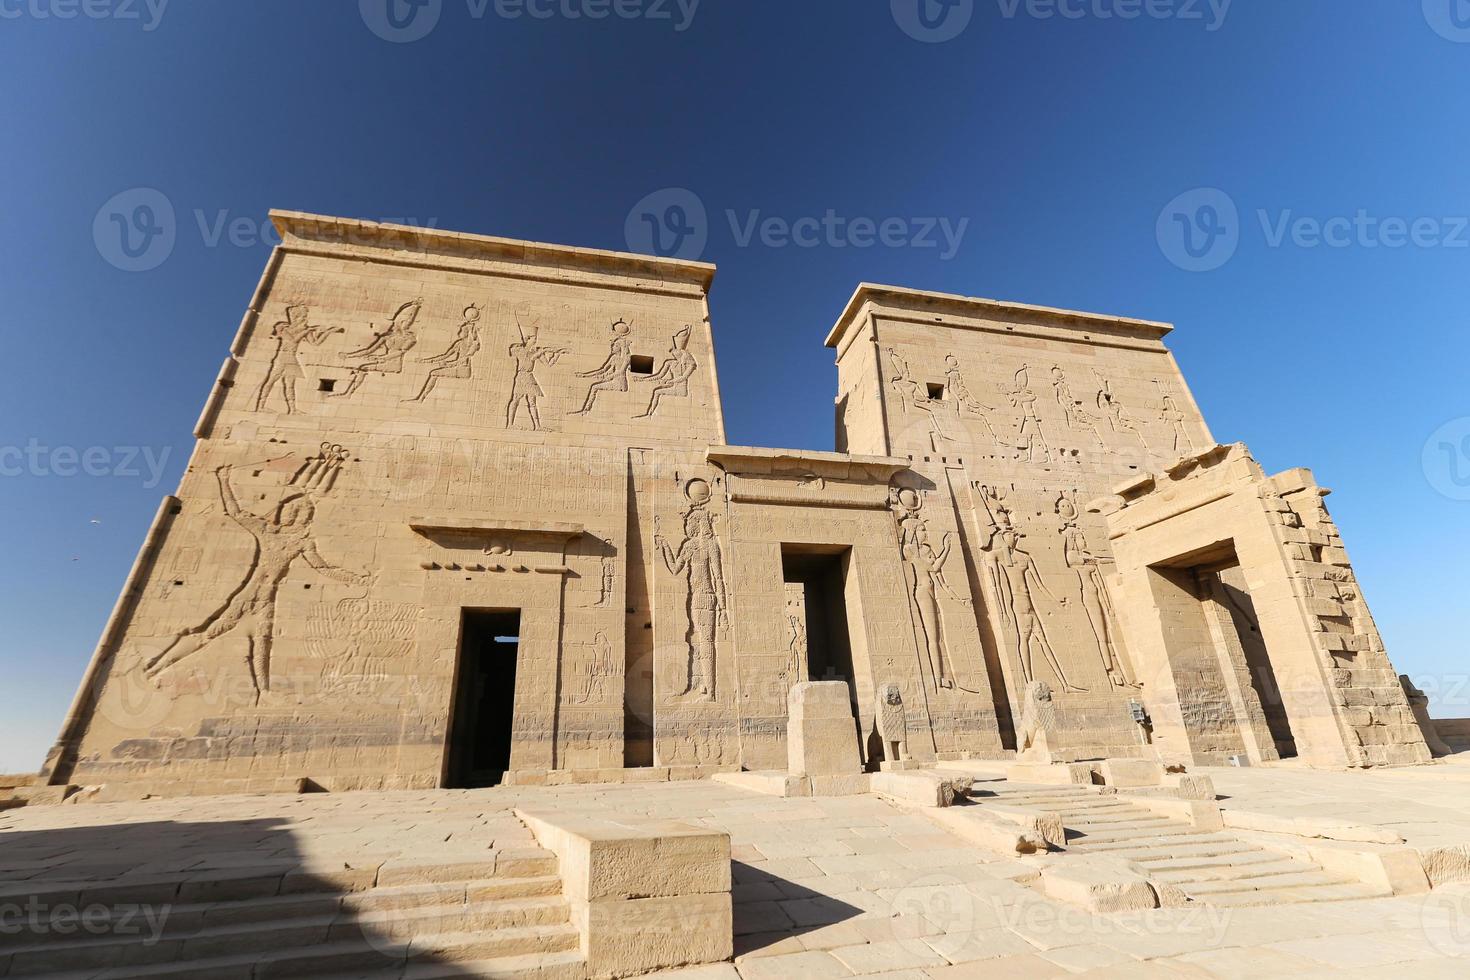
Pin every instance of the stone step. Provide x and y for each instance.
(1170, 831)
(554, 966)
(556, 945)
(1120, 820)
(1231, 872)
(1268, 883)
(1202, 845)
(17, 780)
(381, 929)
(279, 879)
(470, 946)
(1345, 892)
(1163, 865)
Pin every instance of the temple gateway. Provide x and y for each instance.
(461, 511)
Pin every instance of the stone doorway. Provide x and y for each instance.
(1222, 669)
(481, 721)
(818, 637)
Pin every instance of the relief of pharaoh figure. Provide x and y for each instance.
(1015, 579)
(1112, 409)
(672, 377)
(385, 354)
(1077, 417)
(525, 390)
(612, 374)
(1171, 414)
(286, 369)
(455, 361)
(1032, 438)
(1095, 599)
(699, 562)
(923, 569)
(959, 392)
(280, 541)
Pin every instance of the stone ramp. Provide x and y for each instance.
(500, 914)
(1185, 863)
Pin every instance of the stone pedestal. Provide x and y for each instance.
(821, 736)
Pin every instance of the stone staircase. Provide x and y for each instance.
(502, 915)
(1185, 863)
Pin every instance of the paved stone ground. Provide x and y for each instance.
(1428, 805)
(824, 888)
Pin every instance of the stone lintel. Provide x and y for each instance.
(932, 303)
(330, 230)
(484, 526)
(836, 466)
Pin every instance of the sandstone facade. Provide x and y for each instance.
(463, 507)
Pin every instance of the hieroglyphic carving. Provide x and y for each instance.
(592, 676)
(965, 400)
(385, 354)
(923, 569)
(1171, 414)
(612, 374)
(1032, 440)
(913, 395)
(1113, 410)
(796, 638)
(699, 562)
(280, 540)
(672, 377)
(607, 572)
(1078, 418)
(892, 724)
(347, 636)
(1013, 577)
(524, 390)
(285, 369)
(455, 362)
(1095, 599)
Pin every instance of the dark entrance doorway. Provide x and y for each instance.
(484, 698)
(1229, 587)
(816, 584)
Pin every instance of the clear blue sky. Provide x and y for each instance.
(1061, 140)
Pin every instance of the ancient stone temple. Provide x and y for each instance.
(462, 511)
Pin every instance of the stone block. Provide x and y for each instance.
(821, 735)
(1127, 773)
(1060, 774)
(846, 784)
(1098, 885)
(921, 787)
(772, 783)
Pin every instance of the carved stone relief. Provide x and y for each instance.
(1171, 414)
(892, 724)
(280, 540)
(671, 380)
(699, 563)
(386, 352)
(1078, 418)
(612, 374)
(593, 674)
(1032, 439)
(456, 361)
(1015, 580)
(965, 400)
(286, 369)
(923, 569)
(1095, 599)
(1113, 411)
(526, 354)
(796, 638)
